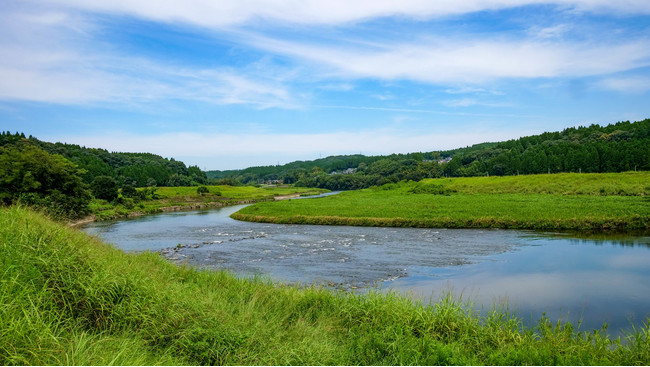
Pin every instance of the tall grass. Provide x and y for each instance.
(66, 298)
(558, 202)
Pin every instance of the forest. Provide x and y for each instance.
(623, 146)
(63, 178)
(135, 169)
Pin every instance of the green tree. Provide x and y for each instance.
(129, 191)
(30, 175)
(104, 187)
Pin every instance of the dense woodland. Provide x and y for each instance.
(136, 169)
(623, 146)
(63, 178)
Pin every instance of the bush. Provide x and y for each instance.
(104, 187)
(129, 191)
(202, 190)
(431, 189)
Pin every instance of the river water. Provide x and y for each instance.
(588, 281)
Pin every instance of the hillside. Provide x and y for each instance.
(135, 169)
(623, 146)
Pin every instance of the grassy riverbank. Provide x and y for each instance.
(67, 298)
(616, 201)
(161, 199)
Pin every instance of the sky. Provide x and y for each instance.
(230, 84)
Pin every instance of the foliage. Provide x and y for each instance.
(619, 147)
(104, 187)
(75, 300)
(149, 200)
(615, 201)
(129, 191)
(32, 176)
(135, 169)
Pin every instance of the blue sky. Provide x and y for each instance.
(232, 84)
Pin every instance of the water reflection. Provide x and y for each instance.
(571, 280)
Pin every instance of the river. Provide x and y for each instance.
(588, 281)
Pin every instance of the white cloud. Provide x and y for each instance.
(555, 31)
(473, 90)
(52, 52)
(227, 13)
(638, 84)
(57, 57)
(468, 61)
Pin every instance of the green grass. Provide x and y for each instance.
(179, 198)
(67, 298)
(619, 201)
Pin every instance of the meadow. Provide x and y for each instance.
(567, 201)
(69, 299)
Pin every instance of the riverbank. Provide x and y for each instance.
(578, 202)
(170, 199)
(70, 299)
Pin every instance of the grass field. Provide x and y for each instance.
(178, 198)
(618, 201)
(69, 299)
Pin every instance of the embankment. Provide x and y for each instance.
(68, 298)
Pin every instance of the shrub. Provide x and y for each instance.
(432, 189)
(129, 191)
(104, 187)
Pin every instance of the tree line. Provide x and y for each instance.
(136, 169)
(63, 178)
(623, 146)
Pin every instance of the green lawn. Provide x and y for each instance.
(559, 201)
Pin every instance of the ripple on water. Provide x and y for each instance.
(593, 278)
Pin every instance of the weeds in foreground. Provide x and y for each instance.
(67, 298)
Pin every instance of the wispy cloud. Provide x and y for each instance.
(47, 61)
(58, 54)
(228, 13)
(468, 102)
(637, 84)
(468, 61)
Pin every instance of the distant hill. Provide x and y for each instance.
(136, 169)
(622, 146)
(291, 172)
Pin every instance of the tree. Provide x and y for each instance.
(104, 187)
(128, 191)
(30, 175)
